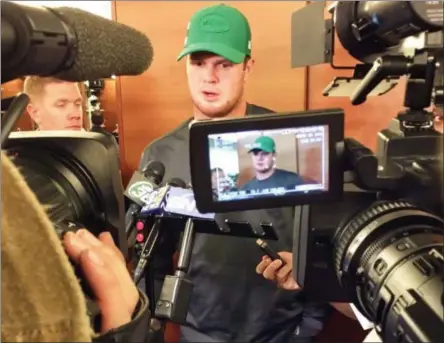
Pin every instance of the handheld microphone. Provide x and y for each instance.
(140, 188)
(143, 184)
(181, 202)
(154, 206)
(176, 201)
(68, 43)
(177, 289)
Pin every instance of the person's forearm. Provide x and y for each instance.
(137, 330)
(345, 309)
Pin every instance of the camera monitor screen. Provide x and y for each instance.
(257, 167)
(269, 163)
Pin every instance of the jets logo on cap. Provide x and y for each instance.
(214, 23)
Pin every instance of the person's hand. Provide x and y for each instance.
(273, 270)
(439, 118)
(104, 268)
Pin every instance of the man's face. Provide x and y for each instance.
(216, 85)
(263, 161)
(219, 181)
(59, 107)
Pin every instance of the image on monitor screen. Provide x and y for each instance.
(269, 163)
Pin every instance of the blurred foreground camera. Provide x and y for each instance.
(76, 178)
(75, 175)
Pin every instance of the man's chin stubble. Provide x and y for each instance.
(222, 112)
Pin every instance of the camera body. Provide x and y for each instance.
(76, 176)
(410, 170)
(380, 244)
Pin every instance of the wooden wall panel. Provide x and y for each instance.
(157, 101)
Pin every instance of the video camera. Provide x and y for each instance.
(65, 169)
(373, 234)
(75, 175)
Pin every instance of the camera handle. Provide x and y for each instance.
(419, 95)
(176, 290)
(421, 71)
(12, 115)
(382, 68)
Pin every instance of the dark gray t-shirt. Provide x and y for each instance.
(279, 179)
(230, 302)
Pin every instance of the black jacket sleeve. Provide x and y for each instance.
(138, 330)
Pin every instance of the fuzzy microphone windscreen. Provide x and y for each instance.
(104, 47)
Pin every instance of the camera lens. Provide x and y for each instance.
(385, 252)
(60, 184)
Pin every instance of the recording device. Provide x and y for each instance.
(267, 250)
(93, 91)
(65, 172)
(139, 191)
(367, 30)
(96, 87)
(248, 150)
(68, 43)
(380, 246)
(65, 169)
(141, 185)
(169, 212)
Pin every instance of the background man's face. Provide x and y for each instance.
(216, 85)
(263, 161)
(59, 107)
(219, 181)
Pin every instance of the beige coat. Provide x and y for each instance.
(41, 298)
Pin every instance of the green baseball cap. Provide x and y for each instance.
(264, 143)
(221, 30)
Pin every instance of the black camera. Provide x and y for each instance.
(76, 176)
(373, 235)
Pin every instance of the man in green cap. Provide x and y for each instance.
(230, 302)
(218, 51)
(263, 154)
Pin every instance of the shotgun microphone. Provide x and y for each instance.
(69, 44)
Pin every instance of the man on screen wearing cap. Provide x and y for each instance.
(230, 302)
(268, 176)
